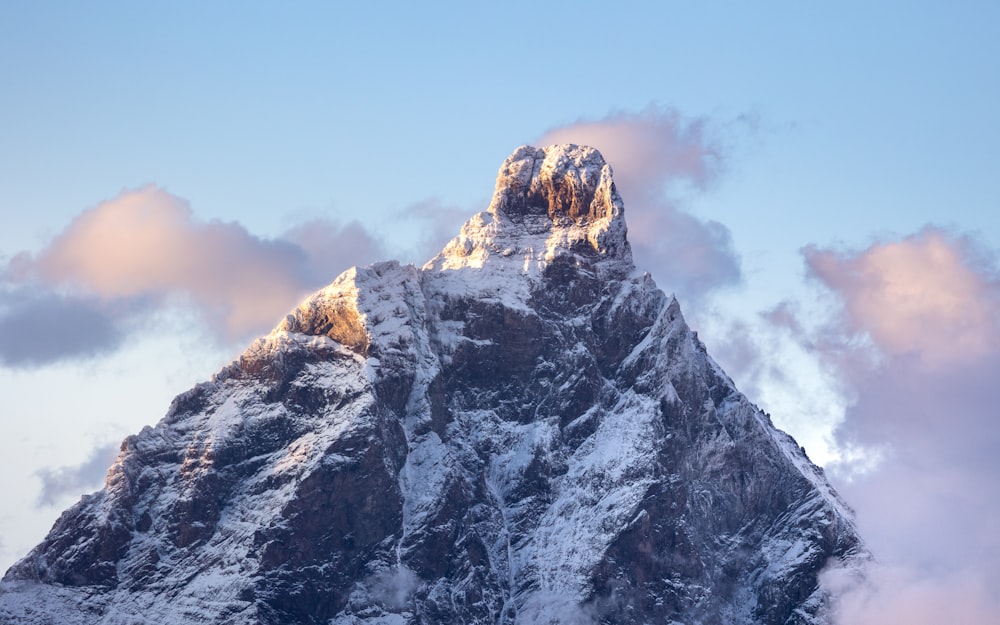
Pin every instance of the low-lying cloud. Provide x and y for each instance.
(655, 154)
(393, 587)
(923, 312)
(899, 595)
(144, 251)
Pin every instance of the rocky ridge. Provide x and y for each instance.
(522, 431)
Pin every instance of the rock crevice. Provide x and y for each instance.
(524, 431)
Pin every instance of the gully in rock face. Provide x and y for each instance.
(524, 430)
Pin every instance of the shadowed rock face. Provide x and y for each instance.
(522, 431)
(566, 187)
(573, 184)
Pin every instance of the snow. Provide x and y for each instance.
(544, 544)
(606, 479)
(423, 480)
(495, 258)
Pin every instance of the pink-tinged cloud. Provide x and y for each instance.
(146, 243)
(648, 150)
(145, 248)
(929, 307)
(652, 154)
(923, 296)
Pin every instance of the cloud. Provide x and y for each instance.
(556, 607)
(78, 479)
(145, 250)
(927, 295)
(437, 222)
(393, 587)
(916, 339)
(655, 155)
(330, 248)
(147, 244)
(38, 328)
(773, 360)
(898, 595)
(926, 309)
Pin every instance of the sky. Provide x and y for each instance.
(817, 183)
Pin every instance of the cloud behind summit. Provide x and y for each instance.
(655, 153)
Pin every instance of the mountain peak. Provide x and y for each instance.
(548, 202)
(565, 182)
(524, 431)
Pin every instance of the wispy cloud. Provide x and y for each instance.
(655, 154)
(437, 224)
(329, 247)
(145, 250)
(393, 587)
(77, 479)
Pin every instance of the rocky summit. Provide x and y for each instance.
(522, 431)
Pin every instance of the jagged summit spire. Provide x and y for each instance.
(547, 202)
(562, 181)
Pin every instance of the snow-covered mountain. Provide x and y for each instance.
(522, 431)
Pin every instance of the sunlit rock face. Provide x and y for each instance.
(522, 431)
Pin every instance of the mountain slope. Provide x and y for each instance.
(523, 431)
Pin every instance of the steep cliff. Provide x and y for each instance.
(522, 431)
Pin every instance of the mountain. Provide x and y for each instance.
(523, 431)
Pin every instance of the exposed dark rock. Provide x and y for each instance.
(523, 431)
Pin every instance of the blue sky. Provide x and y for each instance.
(849, 127)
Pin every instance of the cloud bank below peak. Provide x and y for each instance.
(914, 339)
(890, 368)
